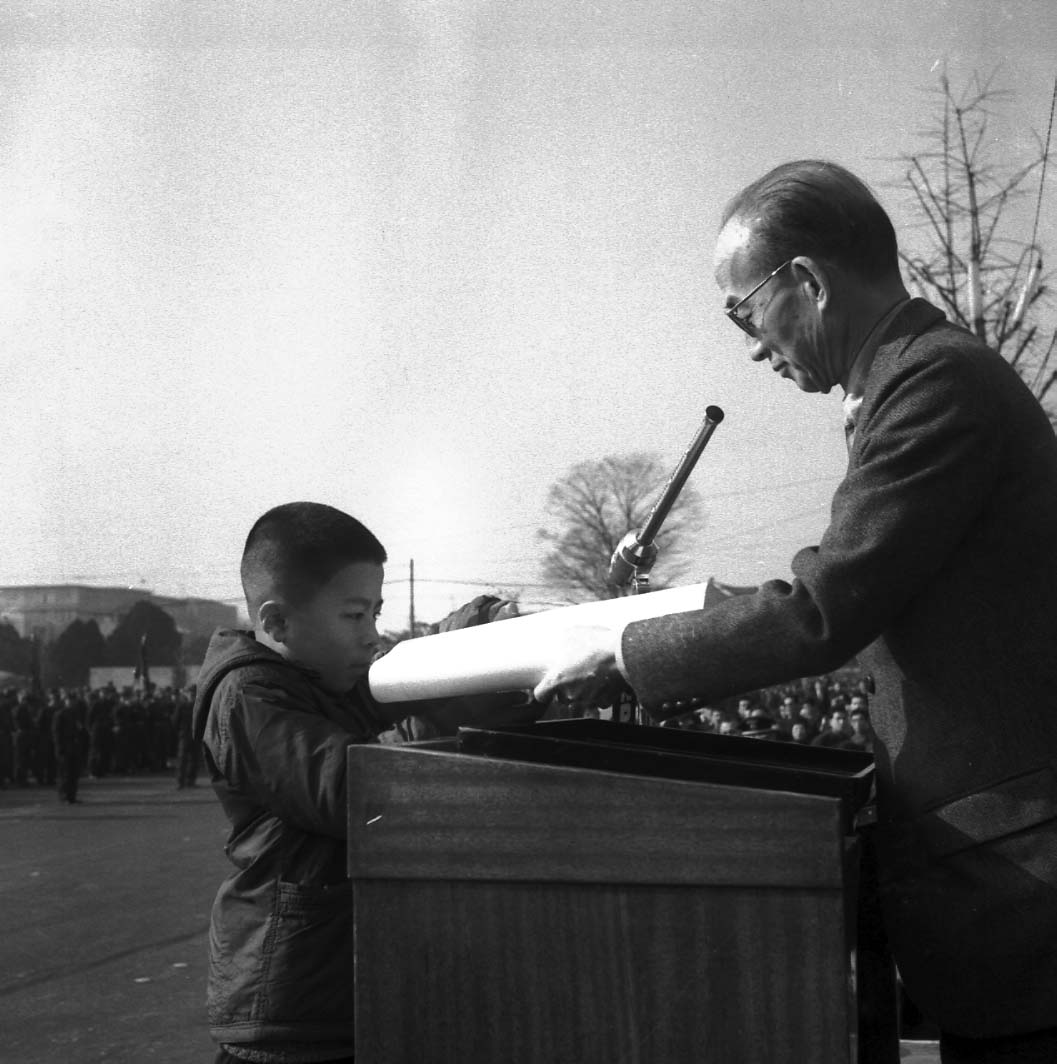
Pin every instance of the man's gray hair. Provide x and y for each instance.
(819, 209)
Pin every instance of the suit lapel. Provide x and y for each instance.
(915, 318)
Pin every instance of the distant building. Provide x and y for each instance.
(45, 610)
(198, 616)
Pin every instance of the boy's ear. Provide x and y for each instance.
(271, 620)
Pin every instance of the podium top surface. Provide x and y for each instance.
(669, 754)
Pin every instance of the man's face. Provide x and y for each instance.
(784, 314)
(836, 722)
(335, 633)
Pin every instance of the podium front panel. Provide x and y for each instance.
(429, 814)
(514, 911)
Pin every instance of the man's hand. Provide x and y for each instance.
(583, 669)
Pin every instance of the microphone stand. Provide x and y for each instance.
(636, 553)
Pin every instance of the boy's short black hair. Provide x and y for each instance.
(294, 549)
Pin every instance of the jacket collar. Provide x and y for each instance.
(913, 318)
(905, 324)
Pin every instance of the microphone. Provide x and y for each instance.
(636, 552)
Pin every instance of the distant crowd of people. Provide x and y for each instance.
(53, 738)
(831, 711)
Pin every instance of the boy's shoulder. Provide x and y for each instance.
(236, 665)
(235, 661)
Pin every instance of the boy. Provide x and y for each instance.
(276, 709)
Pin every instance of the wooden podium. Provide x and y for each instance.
(525, 912)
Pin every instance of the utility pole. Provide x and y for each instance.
(411, 608)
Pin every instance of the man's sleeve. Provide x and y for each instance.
(290, 762)
(924, 465)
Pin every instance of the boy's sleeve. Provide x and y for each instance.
(440, 717)
(290, 762)
(444, 716)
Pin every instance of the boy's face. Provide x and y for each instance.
(335, 633)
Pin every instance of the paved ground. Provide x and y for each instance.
(920, 1053)
(104, 908)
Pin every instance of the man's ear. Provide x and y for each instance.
(272, 620)
(816, 278)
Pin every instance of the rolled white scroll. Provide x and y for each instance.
(510, 655)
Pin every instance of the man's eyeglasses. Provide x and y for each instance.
(745, 323)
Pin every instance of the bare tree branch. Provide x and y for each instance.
(970, 259)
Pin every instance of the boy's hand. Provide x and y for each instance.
(481, 610)
(445, 715)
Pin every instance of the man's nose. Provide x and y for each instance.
(758, 351)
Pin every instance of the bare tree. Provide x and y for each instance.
(590, 510)
(978, 259)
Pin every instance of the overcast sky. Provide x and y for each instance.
(417, 259)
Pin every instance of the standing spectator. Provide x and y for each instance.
(7, 749)
(44, 767)
(137, 733)
(836, 730)
(148, 732)
(121, 730)
(24, 738)
(164, 704)
(188, 751)
(786, 716)
(811, 715)
(66, 738)
(800, 733)
(760, 726)
(710, 718)
(861, 737)
(100, 734)
(81, 701)
(820, 689)
(745, 708)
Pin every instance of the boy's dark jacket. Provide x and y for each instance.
(281, 957)
(274, 742)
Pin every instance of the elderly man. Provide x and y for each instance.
(939, 569)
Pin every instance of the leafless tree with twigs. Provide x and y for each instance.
(590, 510)
(978, 259)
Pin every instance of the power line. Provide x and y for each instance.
(788, 519)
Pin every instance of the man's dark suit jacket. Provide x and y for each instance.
(939, 569)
